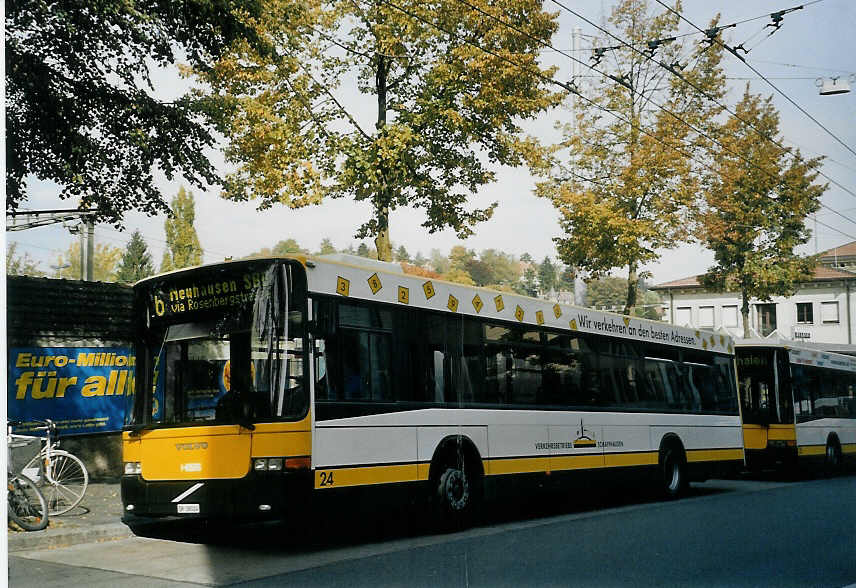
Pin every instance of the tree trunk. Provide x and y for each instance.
(632, 290)
(382, 241)
(744, 310)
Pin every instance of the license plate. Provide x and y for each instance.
(188, 509)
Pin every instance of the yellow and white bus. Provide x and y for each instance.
(798, 405)
(262, 382)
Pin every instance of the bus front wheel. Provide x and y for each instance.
(457, 492)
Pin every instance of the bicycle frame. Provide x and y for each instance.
(45, 461)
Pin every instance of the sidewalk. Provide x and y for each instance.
(97, 518)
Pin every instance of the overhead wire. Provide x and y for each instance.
(700, 90)
(735, 24)
(771, 84)
(593, 68)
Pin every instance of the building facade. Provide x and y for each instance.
(821, 311)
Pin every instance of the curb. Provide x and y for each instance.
(51, 539)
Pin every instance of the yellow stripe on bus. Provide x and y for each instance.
(517, 465)
(696, 455)
(631, 459)
(364, 476)
(783, 433)
(811, 450)
(848, 448)
(390, 474)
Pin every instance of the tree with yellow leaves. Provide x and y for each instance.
(105, 263)
(436, 112)
(182, 242)
(626, 184)
(757, 202)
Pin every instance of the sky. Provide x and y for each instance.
(817, 41)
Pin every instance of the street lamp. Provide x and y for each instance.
(59, 267)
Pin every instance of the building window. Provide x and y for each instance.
(766, 318)
(683, 316)
(829, 312)
(705, 317)
(805, 313)
(729, 316)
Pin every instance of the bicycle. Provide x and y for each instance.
(26, 504)
(62, 476)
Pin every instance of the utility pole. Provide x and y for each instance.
(30, 219)
(87, 250)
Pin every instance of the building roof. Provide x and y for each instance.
(67, 309)
(846, 250)
(821, 274)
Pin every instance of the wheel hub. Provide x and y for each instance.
(456, 489)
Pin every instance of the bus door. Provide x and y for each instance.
(758, 378)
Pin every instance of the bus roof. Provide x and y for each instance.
(354, 277)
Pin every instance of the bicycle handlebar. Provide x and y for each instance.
(48, 426)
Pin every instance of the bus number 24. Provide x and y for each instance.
(326, 479)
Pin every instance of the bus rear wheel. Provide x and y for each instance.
(673, 471)
(833, 456)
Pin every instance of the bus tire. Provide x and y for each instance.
(674, 480)
(832, 461)
(457, 484)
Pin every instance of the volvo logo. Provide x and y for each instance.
(191, 446)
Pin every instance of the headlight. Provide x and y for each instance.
(133, 467)
(268, 464)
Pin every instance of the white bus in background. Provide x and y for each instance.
(798, 405)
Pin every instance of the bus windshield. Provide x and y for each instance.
(221, 347)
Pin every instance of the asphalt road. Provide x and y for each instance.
(726, 533)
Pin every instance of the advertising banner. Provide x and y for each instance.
(81, 389)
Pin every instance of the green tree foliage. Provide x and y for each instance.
(610, 292)
(419, 260)
(182, 243)
(501, 269)
(547, 275)
(80, 109)
(439, 262)
(401, 254)
(327, 247)
(106, 261)
(530, 282)
(606, 292)
(623, 194)
(443, 109)
(757, 203)
(363, 250)
(288, 247)
(136, 262)
(566, 279)
(460, 276)
(20, 265)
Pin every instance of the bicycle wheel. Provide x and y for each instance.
(68, 484)
(27, 506)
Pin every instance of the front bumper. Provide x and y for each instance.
(258, 495)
